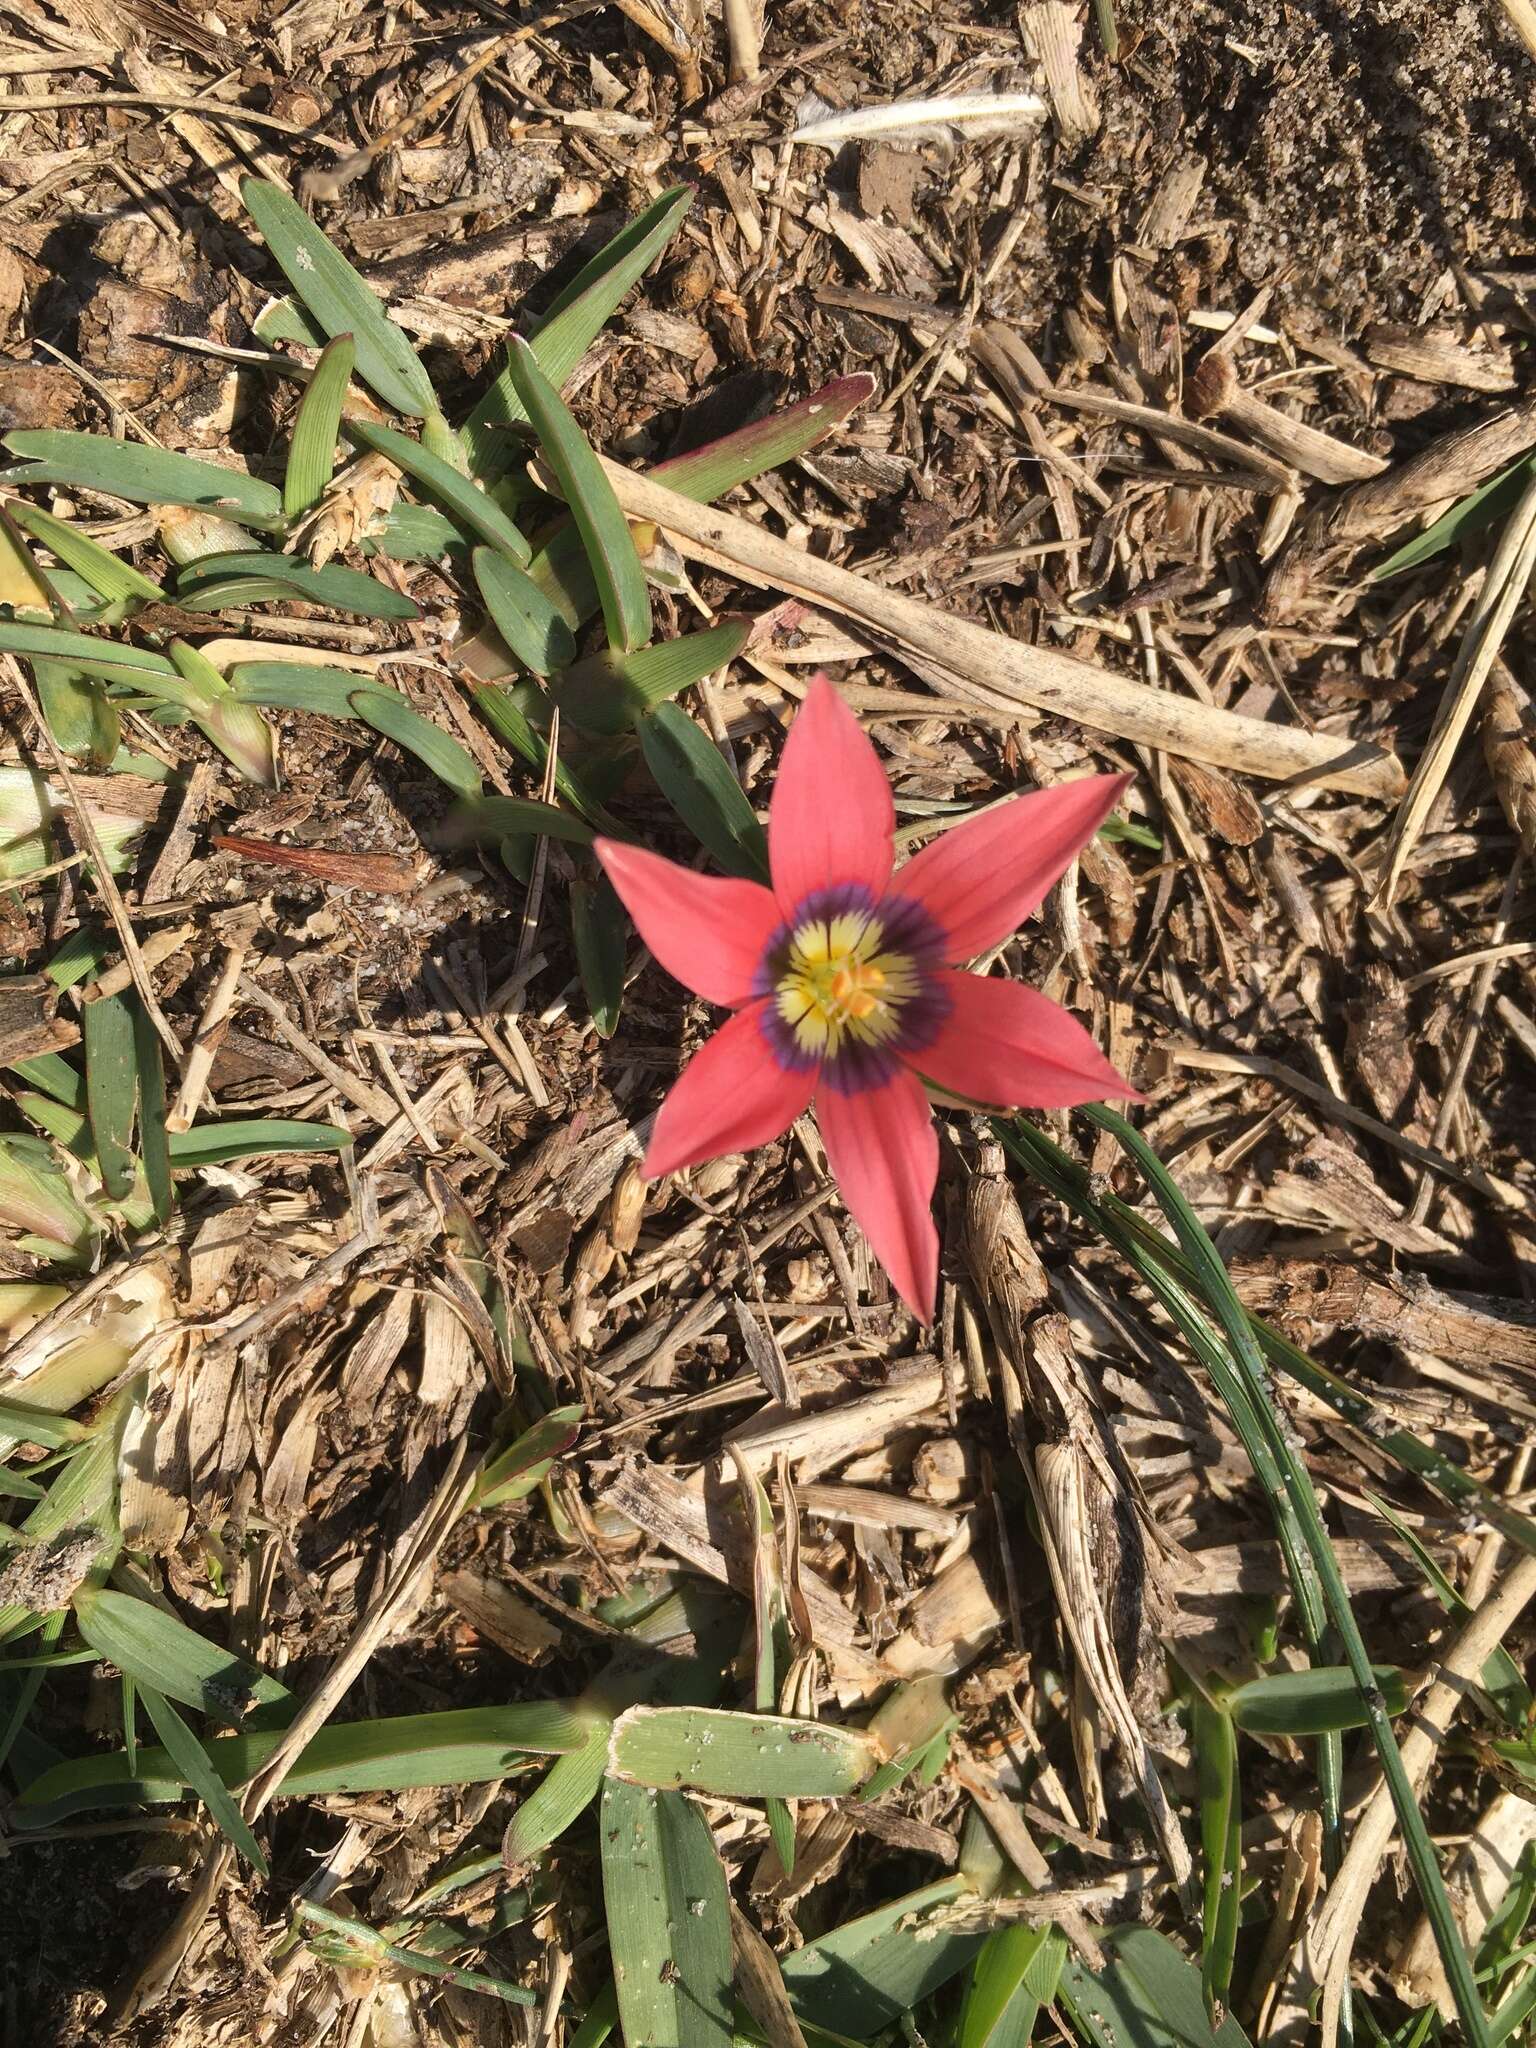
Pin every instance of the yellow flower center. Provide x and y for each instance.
(838, 984)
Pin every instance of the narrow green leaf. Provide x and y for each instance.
(604, 531)
(144, 476)
(692, 775)
(214, 582)
(498, 705)
(600, 928)
(192, 1761)
(416, 533)
(470, 1746)
(1013, 1977)
(609, 691)
(1214, 1740)
(111, 1076)
(524, 617)
(565, 1792)
(465, 500)
(669, 1926)
(300, 686)
(106, 573)
(1146, 1996)
(1480, 508)
(561, 568)
(316, 426)
(499, 817)
(1311, 1702)
(338, 300)
(571, 325)
(154, 1143)
(515, 1472)
(238, 730)
(740, 1756)
(864, 1975)
(216, 1144)
(114, 659)
(79, 713)
(388, 713)
(157, 1649)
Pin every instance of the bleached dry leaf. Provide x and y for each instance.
(976, 115)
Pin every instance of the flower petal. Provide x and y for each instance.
(831, 819)
(733, 1094)
(707, 931)
(981, 881)
(884, 1154)
(1006, 1044)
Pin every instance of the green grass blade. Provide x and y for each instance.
(600, 928)
(1216, 1289)
(524, 1465)
(1315, 1702)
(79, 713)
(416, 533)
(1480, 508)
(525, 618)
(693, 776)
(669, 1927)
(115, 660)
(1146, 1996)
(609, 691)
(144, 476)
(864, 1975)
(338, 300)
(216, 1144)
(740, 1756)
(469, 1746)
(571, 325)
(238, 730)
(505, 715)
(604, 531)
(300, 686)
(335, 586)
(1214, 1740)
(388, 713)
(106, 573)
(192, 1761)
(565, 1792)
(495, 818)
(154, 1144)
(465, 501)
(111, 1090)
(316, 426)
(1013, 1977)
(157, 1649)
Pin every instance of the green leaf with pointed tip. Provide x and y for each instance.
(144, 476)
(1147, 1996)
(316, 425)
(609, 691)
(740, 1756)
(469, 1746)
(216, 1144)
(565, 1791)
(600, 928)
(515, 1472)
(692, 775)
(192, 1761)
(604, 531)
(561, 569)
(1479, 509)
(154, 1139)
(301, 686)
(669, 1924)
(1214, 1741)
(465, 500)
(387, 712)
(1313, 1702)
(80, 715)
(106, 573)
(495, 818)
(862, 1976)
(338, 300)
(571, 325)
(340, 588)
(532, 627)
(158, 1649)
(502, 712)
(111, 1090)
(1013, 1977)
(113, 659)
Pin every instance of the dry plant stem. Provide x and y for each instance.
(1509, 747)
(204, 1048)
(1447, 468)
(1522, 19)
(745, 42)
(998, 676)
(1502, 592)
(111, 895)
(1323, 1958)
(1216, 393)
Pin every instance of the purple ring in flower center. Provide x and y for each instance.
(850, 988)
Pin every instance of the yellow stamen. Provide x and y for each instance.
(839, 985)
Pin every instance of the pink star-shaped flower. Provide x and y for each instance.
(843, 980)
